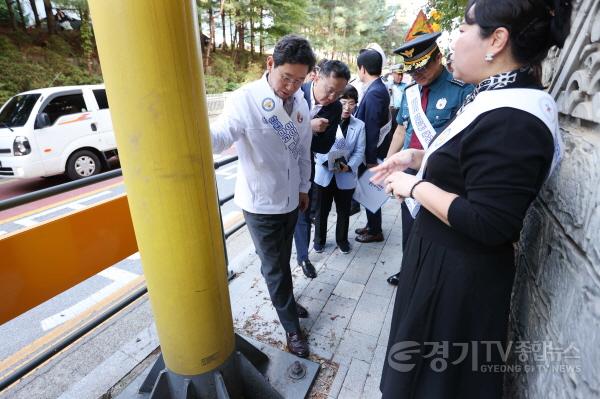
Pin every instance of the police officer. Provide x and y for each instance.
(441, 96)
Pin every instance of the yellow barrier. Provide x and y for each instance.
(41, 262)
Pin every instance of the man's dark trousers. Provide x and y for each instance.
(343, 200)
(272, 236)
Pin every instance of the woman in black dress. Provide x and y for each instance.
(477, 181)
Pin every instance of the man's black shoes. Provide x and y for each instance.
(393, 279)
(301, 311)
(297, 344)
(308, 269)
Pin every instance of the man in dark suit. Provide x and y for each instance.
(322, 96)
(374, 112)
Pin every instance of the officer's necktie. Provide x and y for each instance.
(424, 97)
(414, 140)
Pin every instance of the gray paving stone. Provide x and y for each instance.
(377, 284)
(356, 377)
(318, 290)
(346, 393)
(339, 261)
(331, 326)
(347, 289)
(314, 307)
(338, 305)
(360, 270)
(338, 381)
(329, 276)
(369, 314)
(374, 377)
(321, 346)
(355, 345)
(387, 323)
(370, 392)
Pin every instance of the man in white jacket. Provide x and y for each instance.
(270, 123)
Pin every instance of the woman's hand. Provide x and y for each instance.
(396, 163)
(399, 184)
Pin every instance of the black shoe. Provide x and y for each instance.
(344, 247)
(393, 279)
(301, 311)
(362, 230)
(318, 248)
(308, 268)
(365, 238)
(296, 344)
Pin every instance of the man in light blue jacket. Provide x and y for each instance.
(336, 174)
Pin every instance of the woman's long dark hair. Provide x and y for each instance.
(534, 25)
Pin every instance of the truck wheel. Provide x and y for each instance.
(83, 163)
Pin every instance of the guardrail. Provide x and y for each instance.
(74, 277)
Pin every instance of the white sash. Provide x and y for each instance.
(538, 103)
(385, 130)
(418, 120)
(275, 115)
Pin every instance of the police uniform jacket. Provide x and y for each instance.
(446, 95)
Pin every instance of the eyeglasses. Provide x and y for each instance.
(289, 81)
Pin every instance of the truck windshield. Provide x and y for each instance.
(16, 111)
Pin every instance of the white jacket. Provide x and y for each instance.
(269, 179)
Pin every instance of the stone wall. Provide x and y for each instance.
(555, 314)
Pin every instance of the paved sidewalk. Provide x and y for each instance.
(350, 304)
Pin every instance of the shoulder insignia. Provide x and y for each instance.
(457, 82)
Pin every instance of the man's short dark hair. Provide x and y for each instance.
(335, 69)
(293, 49)
(350, 93)
(371, 60)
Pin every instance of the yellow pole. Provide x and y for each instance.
(152, 66)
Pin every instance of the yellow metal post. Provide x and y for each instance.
(151, 63)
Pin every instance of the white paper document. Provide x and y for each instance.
(370, 195)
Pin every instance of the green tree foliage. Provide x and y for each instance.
(452, 12)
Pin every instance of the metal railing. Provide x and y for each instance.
(27, 367)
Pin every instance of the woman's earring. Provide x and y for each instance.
(489, 57)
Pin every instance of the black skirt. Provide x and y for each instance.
(450, 316)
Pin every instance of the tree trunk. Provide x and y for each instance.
(49, 17)
(223, 24)
(231, 33)
(212, 27)
(261, 45)
(251, 34)
(38, 24)
(20, 8)
(11, 14)
(241, 31)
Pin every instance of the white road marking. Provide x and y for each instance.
(75, 205)
(119, 276)
(135, 256)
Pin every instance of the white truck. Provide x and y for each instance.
(56, 130)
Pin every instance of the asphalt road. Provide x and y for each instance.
(22, 336)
